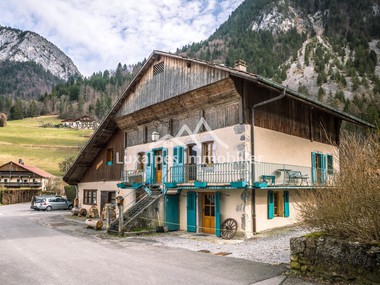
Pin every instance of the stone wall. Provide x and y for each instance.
(336, 260)
(13, 196)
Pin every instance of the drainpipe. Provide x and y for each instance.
(253, 152)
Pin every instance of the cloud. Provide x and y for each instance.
(97, 35)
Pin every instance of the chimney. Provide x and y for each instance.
(240, 65)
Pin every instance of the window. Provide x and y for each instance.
(89, 197)
(330, 165)
(207, 155)
(140, 161)
(110, 156)
(278, 204)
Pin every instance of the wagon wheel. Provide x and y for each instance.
(228, 229)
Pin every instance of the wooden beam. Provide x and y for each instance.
(311, 124)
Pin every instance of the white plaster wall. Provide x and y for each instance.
(276, 147)
(231, 206)
(262, 221)
(230, 144)
(128, 194)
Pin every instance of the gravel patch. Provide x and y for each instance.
(270, 247)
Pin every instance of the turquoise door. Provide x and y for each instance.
(191, 212)
(172, 212)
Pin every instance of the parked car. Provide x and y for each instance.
(49, 203)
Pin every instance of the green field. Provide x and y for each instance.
(41, 147)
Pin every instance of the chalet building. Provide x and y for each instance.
(18, 175)
(214, 147)
(84, 122)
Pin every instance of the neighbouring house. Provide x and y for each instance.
(19, 182)
(18, 175)
(84, 122)
(209, 145)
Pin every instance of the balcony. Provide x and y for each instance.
(240, 174)
(287, 175)
(21, 184)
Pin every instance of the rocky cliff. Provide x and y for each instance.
(26, 46)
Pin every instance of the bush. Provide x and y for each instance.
(70, 192)
(351, 208)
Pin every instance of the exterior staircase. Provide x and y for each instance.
(146, 195)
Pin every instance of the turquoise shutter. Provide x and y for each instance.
(164, 165)
(313, 168)
(324, 168)
(149, 168)
(191, 212)
(330, 164)
(270, 204)
(286, 204)
(180, 163)
(177, 173)
(217, 214)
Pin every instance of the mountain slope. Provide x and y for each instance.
(326, 49)
(24, 46)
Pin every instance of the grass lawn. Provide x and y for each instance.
(41, 147)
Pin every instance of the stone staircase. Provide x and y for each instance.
(146, 195)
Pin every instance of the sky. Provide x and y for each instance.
(98, 34)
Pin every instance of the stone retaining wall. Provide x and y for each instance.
(336, 260)
(13, 196)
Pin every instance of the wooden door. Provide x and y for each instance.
(158, 165)
(191, 168)
(208, 213)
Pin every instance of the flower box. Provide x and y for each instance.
(200, 184)
(260, 184)
(170, 184)
(238, 184)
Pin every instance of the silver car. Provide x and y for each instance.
(49, 203)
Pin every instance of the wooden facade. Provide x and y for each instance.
(101, 169)
(176, 77)
(287, 115)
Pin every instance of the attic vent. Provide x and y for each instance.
(158, 68)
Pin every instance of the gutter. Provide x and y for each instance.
(283, 94)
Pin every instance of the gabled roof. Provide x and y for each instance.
(31, 168)
(109, 127)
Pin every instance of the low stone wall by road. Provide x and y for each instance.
(13, 196)
(336, 260)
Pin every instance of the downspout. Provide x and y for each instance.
(253, 153)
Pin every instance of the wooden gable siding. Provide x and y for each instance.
(219, 116)
(12, 167)
(287, 115)
(99, 170)
(178, 77)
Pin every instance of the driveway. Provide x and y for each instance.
(45, 248)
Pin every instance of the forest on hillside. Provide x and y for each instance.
(92, 96)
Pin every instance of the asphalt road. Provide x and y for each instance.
(40, 248)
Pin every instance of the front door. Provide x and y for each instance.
(158, 165)
(107, 197)
(208, 213)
